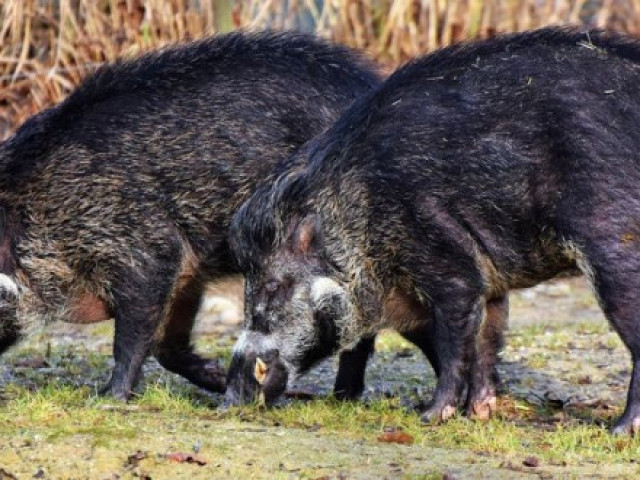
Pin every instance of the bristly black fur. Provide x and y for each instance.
(237, 53)
(257, 225)
(176, 70)
(481, 167)
(272, 206)
(118, 200)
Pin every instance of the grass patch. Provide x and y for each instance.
(59, 412)
(519, 429)
(49, 411)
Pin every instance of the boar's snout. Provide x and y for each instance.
(255, 377)
(241, 386)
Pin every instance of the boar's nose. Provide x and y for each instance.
(242, 387)
(254, 377)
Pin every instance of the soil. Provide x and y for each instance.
(540, 365)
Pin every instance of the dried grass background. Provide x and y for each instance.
(47, 46)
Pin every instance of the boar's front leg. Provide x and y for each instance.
(349, 383)
(456, 317)
(134, 329)
(483, 377)
(484, 380)
(140, 295)
(174, 350)
(423, 337)
(352, 365)
(9, 327)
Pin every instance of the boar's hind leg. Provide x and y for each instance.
(614, 270)
(351, 369)
(174, 350)
(481, 402)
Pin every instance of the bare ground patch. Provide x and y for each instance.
(564, 372)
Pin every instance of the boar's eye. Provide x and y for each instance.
(277, 290)
(272, 286)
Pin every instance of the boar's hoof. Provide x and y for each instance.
(109, 390)
(483, 409)
(625, 426)
(447, 412)
(214, 377)
(436, 414)
(347, 395)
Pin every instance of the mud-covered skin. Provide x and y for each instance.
(116, 202)
(479, 168)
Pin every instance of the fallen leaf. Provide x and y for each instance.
(186, 458)
(136, 457)
(4, 475)
(396, 437)
(621, 444)
(586, 380)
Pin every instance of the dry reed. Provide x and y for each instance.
(47, 46)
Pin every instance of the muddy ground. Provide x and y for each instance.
(552, 358)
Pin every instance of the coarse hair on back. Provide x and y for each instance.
(239, 56)
(284, 53)
(458, 55)
(262, 223)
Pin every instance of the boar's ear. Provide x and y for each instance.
(306, 238)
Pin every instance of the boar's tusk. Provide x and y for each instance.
(260, 371)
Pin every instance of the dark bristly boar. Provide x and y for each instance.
(116, 202)
(479, 168)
